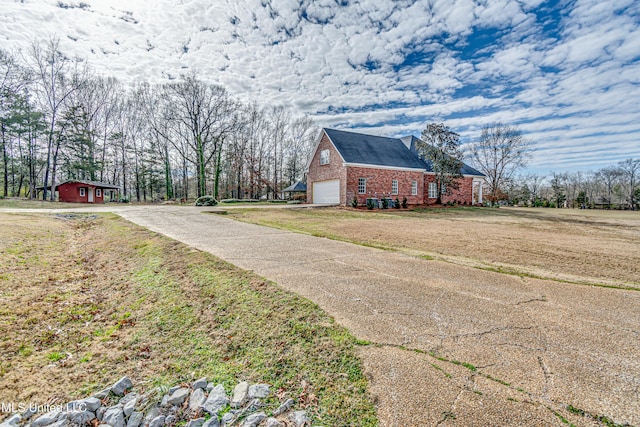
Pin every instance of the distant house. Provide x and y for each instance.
(83, 191)
(348, 164)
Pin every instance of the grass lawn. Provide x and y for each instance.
(580, 246)
(86, 299)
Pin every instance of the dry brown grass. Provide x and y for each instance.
(86, 299)
(594, 247)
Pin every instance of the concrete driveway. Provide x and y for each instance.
(451, 345)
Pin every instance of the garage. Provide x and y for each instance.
(327, 192)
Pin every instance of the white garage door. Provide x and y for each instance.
(326, 192)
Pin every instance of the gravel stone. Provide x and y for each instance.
(100, 412)
(228, 418)
(240, 393)
(198, 422)
(135, 419)
(170, 420)
(259, 390)
(121, 386)
(128, 398)
(80, 417)
(102, 393)
(217, 400)
(196, 399)
(284, 407)
(299, 418)
(89, 404)
(212, 422)
(129, 407)
(114, 416)
(178, 397)
(46, 419)
(254, 419)
(12, 421)
(273, 422)
(157, 421)
(201, 383)
(153, 413)
(215, 403)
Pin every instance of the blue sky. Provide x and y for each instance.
(567, 73)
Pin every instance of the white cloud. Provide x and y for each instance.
(574, 93)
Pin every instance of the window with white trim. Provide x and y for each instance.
(414, 188)
(98, 192)
(324, 157)
(394, 186)
(82, 191)
(433, 190)
(362, 185)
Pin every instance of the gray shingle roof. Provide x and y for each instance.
(383, 151)
(373, 150)
(297, 187)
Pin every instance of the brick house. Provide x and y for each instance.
(347, 164)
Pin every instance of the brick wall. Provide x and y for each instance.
(378, 180)
(463, 194)
(379, 184)
(334, 170)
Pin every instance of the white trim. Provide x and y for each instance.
(325, 157)
(463, 175)
(365, 185)
(395, 168)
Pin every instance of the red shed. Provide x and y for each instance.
(77, 191)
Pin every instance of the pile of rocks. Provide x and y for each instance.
(202, 404)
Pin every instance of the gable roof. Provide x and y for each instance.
(383, 151)
(373, 150)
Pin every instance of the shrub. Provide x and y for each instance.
(385, 203)
(405, 202)
(354, 202)
(206, 201)
(396, 203)
(123, 200)
(370, 204)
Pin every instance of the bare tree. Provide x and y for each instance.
(202, 115)
(499, 152)
(534, 183)
(13, 79)
(56, 78)
(630, 173)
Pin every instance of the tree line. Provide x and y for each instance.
(60, 120)
(613, 187)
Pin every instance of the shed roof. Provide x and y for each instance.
(297, 187)
(97, 184)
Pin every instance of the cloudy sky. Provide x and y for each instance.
(567, 73)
